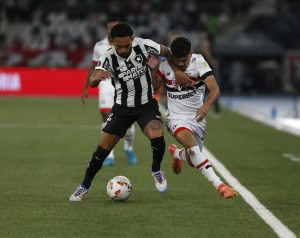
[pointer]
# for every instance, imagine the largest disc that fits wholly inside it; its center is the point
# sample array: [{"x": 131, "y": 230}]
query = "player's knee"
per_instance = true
[{"x": 154, "y": 129}]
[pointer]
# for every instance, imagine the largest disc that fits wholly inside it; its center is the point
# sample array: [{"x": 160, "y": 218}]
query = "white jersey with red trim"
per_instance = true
[
  {"x": 184, "y": 102},
  {"x": 106, "y": 89}
]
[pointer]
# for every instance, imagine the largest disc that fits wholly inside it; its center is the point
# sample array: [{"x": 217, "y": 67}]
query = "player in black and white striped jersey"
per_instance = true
[{"x": 126, "y": 64}]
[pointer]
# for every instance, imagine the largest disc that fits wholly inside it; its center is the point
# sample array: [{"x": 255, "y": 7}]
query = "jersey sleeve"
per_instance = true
[
  {"x": 203, "y": 67},
  {"x": 152, "y": 47},
  {"x": 103, "y": 63},
  {"x": 161, "y": 70}
]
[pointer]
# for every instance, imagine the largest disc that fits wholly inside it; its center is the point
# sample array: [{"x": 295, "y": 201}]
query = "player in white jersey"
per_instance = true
[
  {"x": 106, "y": 97},
  {"x": 187, "y": 110}
]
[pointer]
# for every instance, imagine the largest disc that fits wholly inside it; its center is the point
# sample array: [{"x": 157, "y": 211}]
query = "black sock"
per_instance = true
[
  {"x": 158, "y": 150},
  {"x": 94, "y": 166}
]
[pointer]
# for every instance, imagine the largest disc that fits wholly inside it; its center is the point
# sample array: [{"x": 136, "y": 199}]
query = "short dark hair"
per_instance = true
[
  {"x": 181, "y": 47},
  {"x": 121, "y": 29}
]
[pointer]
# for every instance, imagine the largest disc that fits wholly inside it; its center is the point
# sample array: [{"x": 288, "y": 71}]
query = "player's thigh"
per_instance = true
[
  {"x": 149, "y": 120},
  {"x": 182, "y": 131},
  {"x": 117, "y": 124}
]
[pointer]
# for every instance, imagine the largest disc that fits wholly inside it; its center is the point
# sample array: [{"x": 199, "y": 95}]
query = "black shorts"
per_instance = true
[{"x": 121, "y": 118}]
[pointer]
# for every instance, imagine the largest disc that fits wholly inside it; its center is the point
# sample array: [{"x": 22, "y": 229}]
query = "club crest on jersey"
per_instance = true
[{"x": 138, "y": 59}]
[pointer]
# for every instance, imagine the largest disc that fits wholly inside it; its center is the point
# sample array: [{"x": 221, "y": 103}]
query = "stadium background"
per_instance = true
[{"x": 46, "y": 138}]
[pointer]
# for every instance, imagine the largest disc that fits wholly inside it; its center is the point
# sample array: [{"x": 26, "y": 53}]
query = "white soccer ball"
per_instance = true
[{"x": 119, "y": 188}]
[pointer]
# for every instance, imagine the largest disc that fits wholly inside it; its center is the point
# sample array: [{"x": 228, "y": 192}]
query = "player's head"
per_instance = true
[
  {"x": 181, "y": 51},
  {"x": 122, "y": 37},
  {"x": 110, "y": 23}
]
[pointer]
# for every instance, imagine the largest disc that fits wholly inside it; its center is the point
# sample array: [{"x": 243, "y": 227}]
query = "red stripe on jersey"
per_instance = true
[
  {"x": 106, "y": 109},
  {"x": 195, "y": 79},
  {"x": 169, "y": 82},
  {"x": 202, "y": 164},
  {"x": 94, "y": 62},
  {"x": 181, "y": 129}
]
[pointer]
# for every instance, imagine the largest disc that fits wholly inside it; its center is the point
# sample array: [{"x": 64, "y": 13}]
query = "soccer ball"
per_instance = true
[{"x": 119, "y": 188}]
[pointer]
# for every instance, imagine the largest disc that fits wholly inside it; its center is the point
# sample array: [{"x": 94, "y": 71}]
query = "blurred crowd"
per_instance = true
[
  {"x": 62, "y": 33},
  {"x": 255, "y": 42}
]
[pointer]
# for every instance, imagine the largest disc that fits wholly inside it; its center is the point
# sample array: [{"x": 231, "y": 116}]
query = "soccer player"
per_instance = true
[
  {"x": 106, "y": 97},
  {"x": 126, "y": 64},
  {"x": 187, "y": 111}
]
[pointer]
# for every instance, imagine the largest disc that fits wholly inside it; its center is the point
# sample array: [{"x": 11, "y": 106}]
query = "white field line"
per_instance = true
[
  {"x": 48, "y": 126},
  {"x": 277, "y": 226}
]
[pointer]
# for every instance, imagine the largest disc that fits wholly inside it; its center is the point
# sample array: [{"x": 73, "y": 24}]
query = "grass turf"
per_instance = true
[{"x": 46, "y": 143}]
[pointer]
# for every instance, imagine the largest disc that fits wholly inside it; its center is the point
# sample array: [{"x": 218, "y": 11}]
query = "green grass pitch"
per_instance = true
[{"x": 46, "y": 143}]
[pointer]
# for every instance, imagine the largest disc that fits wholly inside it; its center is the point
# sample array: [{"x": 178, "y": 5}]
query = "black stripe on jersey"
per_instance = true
[
  {"x": 137, "y": 86},
  {"x": 204, "y": 76},
  {"x": 137, "y": 49},
  {"x": 185, "y": 88},
  {"x": 124, "y": 93}
]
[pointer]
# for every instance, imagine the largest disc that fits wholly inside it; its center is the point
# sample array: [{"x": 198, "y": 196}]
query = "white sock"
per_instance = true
[
  {"x": 128, "y": 138},
  {"x": 203, "y": 165},
  {"x": 180, "y": 154}
]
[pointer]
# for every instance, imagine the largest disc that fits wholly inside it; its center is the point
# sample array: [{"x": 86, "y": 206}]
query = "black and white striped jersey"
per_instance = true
[{"x": 131, "y": 77}]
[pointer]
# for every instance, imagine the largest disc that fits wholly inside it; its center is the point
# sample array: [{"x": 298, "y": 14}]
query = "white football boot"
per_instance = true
[
  {"x": 79, "y": 194},
  {"x": 160, "y": 181}
]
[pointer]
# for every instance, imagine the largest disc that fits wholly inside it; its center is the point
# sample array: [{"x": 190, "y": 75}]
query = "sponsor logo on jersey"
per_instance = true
[
  {"x": 133, "y": 73},
  {"x": 182, "y": 96}
]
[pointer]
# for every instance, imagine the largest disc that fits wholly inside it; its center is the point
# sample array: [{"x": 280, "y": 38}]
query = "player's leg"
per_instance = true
[
  {"x": 115, "y": 129},
  {"x": 128, "y": 145},
  {"x": 152, "y": 126},
  {"x": 106, "y": 102},
  {"x": 107, "y": 142},
  {"x": 200, "y": 162}
]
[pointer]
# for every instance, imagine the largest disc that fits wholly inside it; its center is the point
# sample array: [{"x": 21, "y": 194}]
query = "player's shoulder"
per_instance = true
[
  {"x": 197, "y": 58},
  {"x": 164, "y": 65},
  {"x": 139, "y": 41}
]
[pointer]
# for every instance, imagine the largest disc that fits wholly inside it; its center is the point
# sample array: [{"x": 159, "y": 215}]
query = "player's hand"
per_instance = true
[
  {"x": 201, "y": 113},
  {"x": 153, "y": 62},
  {"x": 84, "y": 96},
  {"x": 183, "y": 79},
  {"x": 97, "y": 76}
]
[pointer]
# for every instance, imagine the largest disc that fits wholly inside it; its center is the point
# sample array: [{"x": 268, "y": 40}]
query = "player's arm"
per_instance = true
[
  {"x": 85, "y": 94},
  {"x": 97, "y": 76},
  {"x": 157, "y": 80},
  {"x": 214, "y": 93},
  {"x": 180, "y": 77},
  {"x": 101, "y": 72}
]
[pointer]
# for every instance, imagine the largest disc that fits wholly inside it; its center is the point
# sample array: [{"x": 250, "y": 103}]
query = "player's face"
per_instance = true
[
  {"x": 182, "y": 63},
  {"x": 123, "y": 45}
]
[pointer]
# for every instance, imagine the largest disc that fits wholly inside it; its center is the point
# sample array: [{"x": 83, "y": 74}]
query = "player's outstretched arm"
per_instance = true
[
  {"x": 214, "y": 93},
  {"x": 154, "y": 63},
  {"x": 180, "y": 77},
  {"x": 85, "y": 94}
]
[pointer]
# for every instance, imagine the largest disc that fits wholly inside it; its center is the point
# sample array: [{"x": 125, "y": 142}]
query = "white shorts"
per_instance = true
[
  {"x": 106, "y": 95},
  {"x": 190, "y": 124}
]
